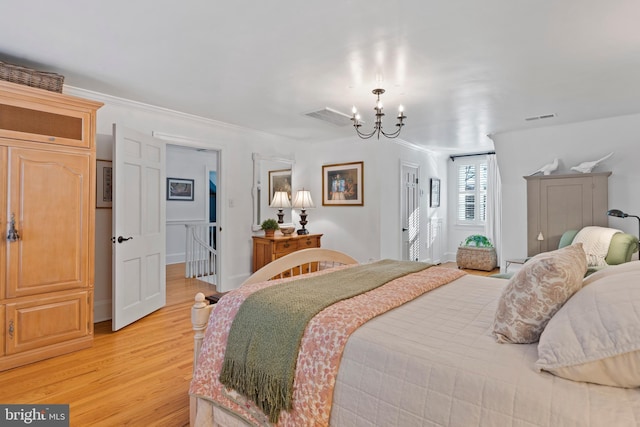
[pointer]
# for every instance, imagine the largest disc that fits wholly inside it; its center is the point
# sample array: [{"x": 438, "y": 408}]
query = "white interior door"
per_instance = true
[
  {"x": 410, "y": 212},
  {"x": 139, "y": 217}
]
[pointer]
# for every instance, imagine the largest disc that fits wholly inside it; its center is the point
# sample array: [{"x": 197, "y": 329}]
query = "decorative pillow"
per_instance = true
[
  {"x": 536, "y": 292},
  {"x": 611, "y": 271},
  {"x": 595, "y": 336}
]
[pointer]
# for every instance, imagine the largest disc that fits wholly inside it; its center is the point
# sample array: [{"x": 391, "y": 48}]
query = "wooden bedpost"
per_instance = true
[
  {"x": 199, "y": 318},
  {"x": 200, "y": 312}
]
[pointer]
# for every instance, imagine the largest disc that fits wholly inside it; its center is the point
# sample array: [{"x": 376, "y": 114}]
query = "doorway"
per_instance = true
[
  {"x": 193, "y": 225},
  {"x": 410, "y": 212}
]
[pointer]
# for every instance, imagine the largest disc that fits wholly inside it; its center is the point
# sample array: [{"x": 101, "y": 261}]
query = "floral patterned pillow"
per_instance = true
[{"x": 536, "y": 292}]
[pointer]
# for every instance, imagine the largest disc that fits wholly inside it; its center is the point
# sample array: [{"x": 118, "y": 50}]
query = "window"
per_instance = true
[{"x": 472, "y": 192}]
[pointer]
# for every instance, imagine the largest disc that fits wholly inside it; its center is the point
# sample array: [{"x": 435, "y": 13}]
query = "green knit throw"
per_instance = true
[{"x": 265, "y": 336}]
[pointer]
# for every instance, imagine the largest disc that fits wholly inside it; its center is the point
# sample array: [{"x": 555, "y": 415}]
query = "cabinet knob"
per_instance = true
[
  {"x": 286, "y": 245},
  {"x": 11, "y": 329}
]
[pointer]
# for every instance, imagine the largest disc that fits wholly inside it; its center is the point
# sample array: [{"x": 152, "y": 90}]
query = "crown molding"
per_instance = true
[{"x": 128, "y": 103}]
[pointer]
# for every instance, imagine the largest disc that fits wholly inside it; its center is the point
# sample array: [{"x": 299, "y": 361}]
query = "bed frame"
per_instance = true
[{"x": 296, "y": 263}]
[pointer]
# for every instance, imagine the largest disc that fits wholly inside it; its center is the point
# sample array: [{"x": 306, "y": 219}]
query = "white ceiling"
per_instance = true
[{"x": 462, "y": 69}]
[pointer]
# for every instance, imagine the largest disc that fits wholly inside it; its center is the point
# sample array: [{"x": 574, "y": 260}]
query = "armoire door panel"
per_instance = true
[
  {"x": 47, "y": 321},
  {"x": 49, "y": 194},
  {"x": 566, "y": 206}
]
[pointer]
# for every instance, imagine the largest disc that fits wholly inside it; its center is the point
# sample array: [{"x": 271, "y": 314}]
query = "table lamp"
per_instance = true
[
  {"x": 303, "y": 201},
  {"x": 280, "y": 201}
]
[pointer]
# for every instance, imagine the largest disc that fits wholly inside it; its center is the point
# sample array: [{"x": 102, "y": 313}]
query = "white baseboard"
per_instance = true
[
  {"x": 175, "y": 258},
  {"x": 101, "y": 311}
]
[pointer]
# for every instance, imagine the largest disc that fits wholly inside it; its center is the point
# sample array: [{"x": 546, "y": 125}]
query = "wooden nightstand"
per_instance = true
[{"x": 267, "y": 249}]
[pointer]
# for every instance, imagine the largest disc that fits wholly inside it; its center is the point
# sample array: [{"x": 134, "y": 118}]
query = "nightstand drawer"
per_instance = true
[
  {"x": 285, "y": 247},
  {"x": 309, "y": 242}
]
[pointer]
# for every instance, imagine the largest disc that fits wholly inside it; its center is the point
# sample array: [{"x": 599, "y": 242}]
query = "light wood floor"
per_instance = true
[
  {"x": 476, "y": 272},
  {"x": 138, "y": 376}
]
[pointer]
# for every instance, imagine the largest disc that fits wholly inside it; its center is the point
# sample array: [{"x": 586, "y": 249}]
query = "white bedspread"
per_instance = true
[
  {"x": 433, "y": 362},
  {"x": 441, "y": 367}
]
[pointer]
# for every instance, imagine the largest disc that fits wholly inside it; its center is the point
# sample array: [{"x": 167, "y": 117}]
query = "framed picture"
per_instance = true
[
  {"x": 104, "y": 184},
  {"x": 435, "y": 193},
  {"x": 343, "y": 185},
  {"x": 279, "y": 180},
  {"x": 179, "y": 189}
]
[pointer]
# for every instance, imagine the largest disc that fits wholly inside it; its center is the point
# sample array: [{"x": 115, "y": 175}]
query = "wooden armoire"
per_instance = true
[
  {"x": 47, "y": 207},
  {"x": 557, "y": 203}
]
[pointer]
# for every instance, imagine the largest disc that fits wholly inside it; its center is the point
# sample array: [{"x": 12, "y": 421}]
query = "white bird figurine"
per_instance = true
[
  {"x": 548, "y": 168},
  {"x": 586, "y": 167}
]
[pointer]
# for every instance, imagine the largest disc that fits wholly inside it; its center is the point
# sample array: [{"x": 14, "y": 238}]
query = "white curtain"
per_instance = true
[{"x": 493, "y": 225}]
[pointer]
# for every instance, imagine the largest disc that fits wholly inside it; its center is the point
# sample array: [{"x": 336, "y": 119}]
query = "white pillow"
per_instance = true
[
  {"x": 595, "y": 336},
  {"x": 610, "y": 271}
]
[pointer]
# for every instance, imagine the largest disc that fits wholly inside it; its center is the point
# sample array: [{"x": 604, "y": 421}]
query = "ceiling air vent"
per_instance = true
[
  {"x": 540, "y": 117},
  {"x": 332, "y": 116}
]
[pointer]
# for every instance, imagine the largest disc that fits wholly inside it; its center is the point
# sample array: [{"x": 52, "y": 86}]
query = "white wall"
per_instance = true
[
  {"x": 521, "y": 153},
  {"x": 372, "y": 231}
]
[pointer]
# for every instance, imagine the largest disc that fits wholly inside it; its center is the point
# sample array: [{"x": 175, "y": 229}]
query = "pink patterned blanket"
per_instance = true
[{"x": 320, "y": 351}]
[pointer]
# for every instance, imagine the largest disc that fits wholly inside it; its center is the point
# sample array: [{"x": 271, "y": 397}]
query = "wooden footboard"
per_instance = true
[{"x": 290, "y": 265}]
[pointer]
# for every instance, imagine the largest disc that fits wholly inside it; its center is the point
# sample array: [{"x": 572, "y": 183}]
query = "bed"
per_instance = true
[{"x": 437, "y": 360}]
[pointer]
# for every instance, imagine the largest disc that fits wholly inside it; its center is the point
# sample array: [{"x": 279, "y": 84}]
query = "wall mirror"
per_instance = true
[{"x": 270, "y": 174}]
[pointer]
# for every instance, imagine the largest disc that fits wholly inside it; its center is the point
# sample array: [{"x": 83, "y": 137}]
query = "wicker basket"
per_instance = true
[
  {"x": 27, "y": 76},
  {"x": 476, "y": 258}
]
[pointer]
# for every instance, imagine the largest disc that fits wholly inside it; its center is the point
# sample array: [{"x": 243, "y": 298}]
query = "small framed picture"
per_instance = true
[
  {"x": 179, "y": 189},
  {"x": 343, "y": 185},
  {"x": 435, "y": 193},
  {"x": 104, "y": 184},
  {"x": 279, "y": 180}
]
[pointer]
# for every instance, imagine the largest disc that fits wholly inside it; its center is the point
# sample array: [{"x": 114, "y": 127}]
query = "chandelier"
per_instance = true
[{"x": 377, "y": 126}]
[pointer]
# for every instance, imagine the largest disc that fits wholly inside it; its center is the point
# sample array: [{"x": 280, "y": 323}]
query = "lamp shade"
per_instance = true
[
  {"x": 280, "y": 200},
  {"x": 303, "y": 200},
  {"x": 617, "y": 212}
]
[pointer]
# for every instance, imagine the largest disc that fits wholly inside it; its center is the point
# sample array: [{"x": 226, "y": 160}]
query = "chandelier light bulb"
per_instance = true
[
  {"x": 400, "y": 109},
  {"x": 379, "y": 105}
]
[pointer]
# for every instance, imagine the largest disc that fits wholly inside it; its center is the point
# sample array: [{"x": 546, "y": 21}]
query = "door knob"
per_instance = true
[{"x": 121, "y": 239}]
